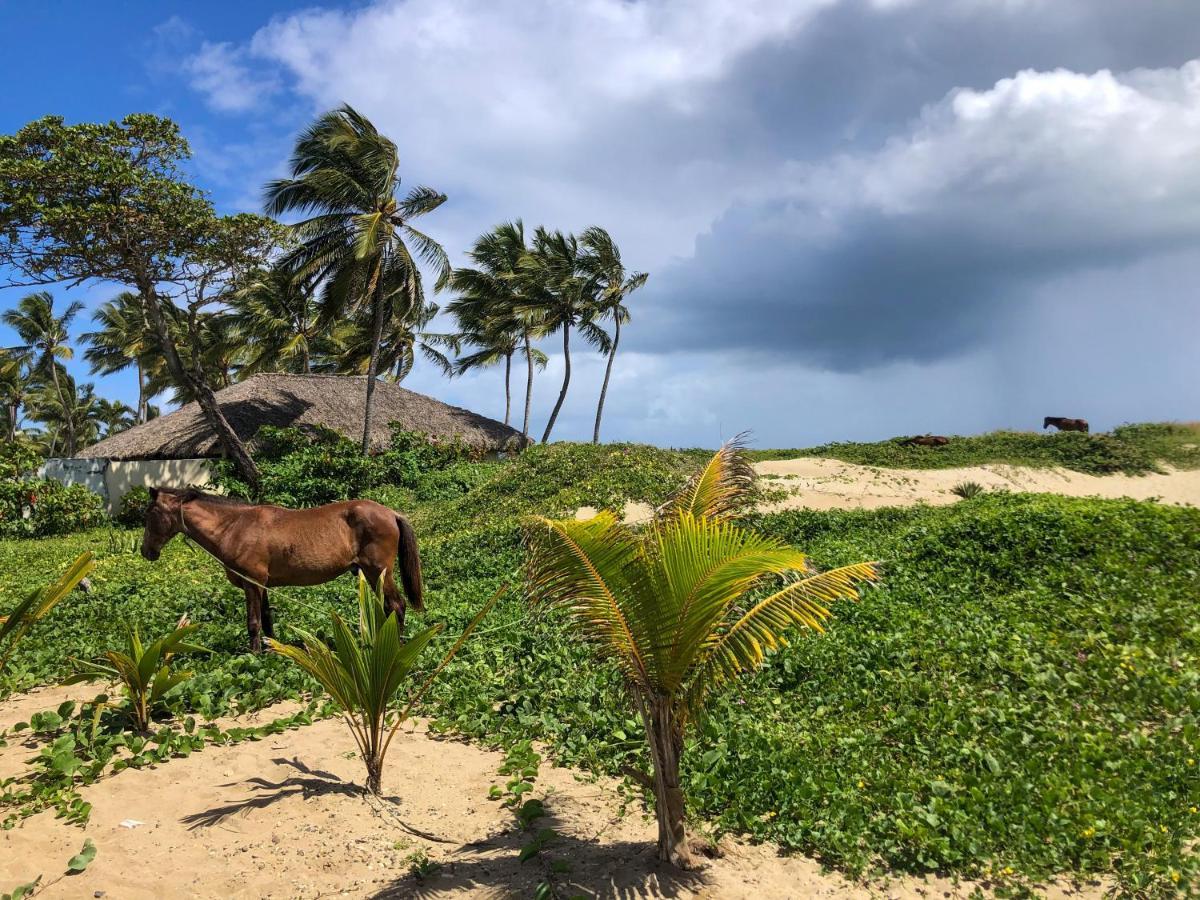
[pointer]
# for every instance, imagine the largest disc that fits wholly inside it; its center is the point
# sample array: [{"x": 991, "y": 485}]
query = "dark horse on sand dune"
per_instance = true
[
  {"x": 264, "y": 547},
  {"x": 1065, "y": 424}
]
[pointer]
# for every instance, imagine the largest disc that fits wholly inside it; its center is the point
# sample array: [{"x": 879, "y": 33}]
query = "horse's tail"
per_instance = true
[{"x": 410, "y": 564}]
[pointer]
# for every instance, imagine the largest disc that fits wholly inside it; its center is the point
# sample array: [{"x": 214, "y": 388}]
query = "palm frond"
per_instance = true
[{"x": 722, "y": 489}]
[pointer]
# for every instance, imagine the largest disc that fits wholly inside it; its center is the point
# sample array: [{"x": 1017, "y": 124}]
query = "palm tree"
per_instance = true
[
  {"x": 559, "y": 294},
  {"x": 71, "y": 413},
  {"x": 114, "y": 415},
  {"x": 16, "y": 381},
  {"x": 275, "y": 313},
  {"x": 345, "y": 175},
  {"x": 123, "y": 340},
  {"x": 491, "y": 310},
  {"x": 402, "y": 337},
  {"x": 46, "y": 337},
  {"x": 682, "y": 607},
  {"x": 602, "y": 263}
]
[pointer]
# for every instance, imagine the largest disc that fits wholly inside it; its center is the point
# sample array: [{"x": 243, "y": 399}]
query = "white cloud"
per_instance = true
[{"x": 220, "y": 72}]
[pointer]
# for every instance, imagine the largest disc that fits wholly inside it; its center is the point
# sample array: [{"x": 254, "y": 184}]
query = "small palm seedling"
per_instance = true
[
  {"x": 144, "y": 670},
  {"x": 37, "y": 605},
  {"x": 686, "y": 605},
  {"x": 967, "y": 489},
  {"x": 364, "y": 671}
]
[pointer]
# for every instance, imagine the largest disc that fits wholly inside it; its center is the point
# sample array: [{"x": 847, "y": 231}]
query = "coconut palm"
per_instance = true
[
  {"x": 46, "y": 338},
  {"x": 16, "y": 382},
  {"x": 601, "y": 262},
  {"x": 345, "y": 175},
  {"x": 72, "y": 424},
  {"x": 403, "y": 336},
  {"x": 682, "y": 607},
  {"x": 560, "y": 295},
  {"x": 496, "y": 340},
  {"x": 122, "y": 341},
  {"x": 491, "y": 304},
  {"x": 276, "y": 314},
  {"x": 114, "y": 415}
]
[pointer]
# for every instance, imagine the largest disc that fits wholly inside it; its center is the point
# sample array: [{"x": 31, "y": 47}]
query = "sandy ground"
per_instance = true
[
  {"x": 816, "y": 483},
  {"x": 285, "y": 817}
]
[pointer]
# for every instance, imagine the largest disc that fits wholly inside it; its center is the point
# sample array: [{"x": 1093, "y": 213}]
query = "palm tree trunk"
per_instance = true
[
  {"x": 607, "y": 374},
  {"x": 68, "y": 422},
  {"x": 562, "y": 394},
  {"x": 373, "y": 363},
  {"x": 666, "y": 745},
  {"x": 528, "y": 387},
  {"x": 141, "y": 410},
  {"x": 507, "y": 387},
  {"x": 230, "y": 442}
]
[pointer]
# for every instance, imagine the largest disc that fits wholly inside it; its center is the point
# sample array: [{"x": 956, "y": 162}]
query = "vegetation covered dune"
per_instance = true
[{"x": 1014, "y": 702}]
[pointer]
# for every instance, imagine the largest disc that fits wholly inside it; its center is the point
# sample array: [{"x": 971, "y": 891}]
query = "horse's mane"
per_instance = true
[{"x": 186, "y": 495}]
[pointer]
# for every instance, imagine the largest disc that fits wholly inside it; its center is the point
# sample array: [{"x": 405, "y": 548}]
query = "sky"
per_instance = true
[{"x": 861, "y": 218}]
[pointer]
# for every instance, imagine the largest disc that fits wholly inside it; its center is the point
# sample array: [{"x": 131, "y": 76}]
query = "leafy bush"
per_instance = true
[
  {"x": 1131, "y": 449},
  {"x": 313, "y": 466},
  {"x": 17, "y": 458},
  {"x": 133, "y": 507},
  {"x": 39, "y": 508}
]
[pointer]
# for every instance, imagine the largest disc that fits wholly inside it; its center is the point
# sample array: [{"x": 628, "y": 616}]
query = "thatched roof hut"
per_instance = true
[{"x": 332, "y": 401}]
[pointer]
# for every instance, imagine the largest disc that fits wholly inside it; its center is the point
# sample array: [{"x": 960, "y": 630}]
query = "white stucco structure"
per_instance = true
[{"x": 112, "y": 479}]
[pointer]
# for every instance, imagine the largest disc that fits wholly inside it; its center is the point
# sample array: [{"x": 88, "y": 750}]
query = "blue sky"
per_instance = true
[{"x": 861, "y": 217}]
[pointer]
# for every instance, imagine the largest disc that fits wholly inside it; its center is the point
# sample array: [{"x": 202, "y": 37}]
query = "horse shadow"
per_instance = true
[
  {"x": 573, "y": 865},
  {"x": 308, "y": 783}
]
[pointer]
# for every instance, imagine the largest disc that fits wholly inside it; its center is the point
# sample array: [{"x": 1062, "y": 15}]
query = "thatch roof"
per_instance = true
[{"x": 332, "y": 401}]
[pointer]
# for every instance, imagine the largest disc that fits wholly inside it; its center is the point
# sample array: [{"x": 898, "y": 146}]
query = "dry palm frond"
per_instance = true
[{"x": 722, "y": 489}]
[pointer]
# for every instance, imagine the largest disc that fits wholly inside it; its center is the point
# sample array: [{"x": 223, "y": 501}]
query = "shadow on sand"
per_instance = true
[{"x": 617, "y": 870}]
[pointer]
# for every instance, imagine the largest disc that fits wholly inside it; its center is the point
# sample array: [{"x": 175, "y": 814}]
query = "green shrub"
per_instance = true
[
  {"x": 967, "y": 489},
  {"x": 46, "y": 507},
  {"x": 17, "y": 458},
  {"x": 133, "y": 507}
]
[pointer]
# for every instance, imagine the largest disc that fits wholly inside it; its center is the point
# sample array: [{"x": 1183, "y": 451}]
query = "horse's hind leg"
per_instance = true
[
  {"x": 268, "y": 623},
  {"x": 254, "y": 604},
  {"x": 393, "y": 600}
]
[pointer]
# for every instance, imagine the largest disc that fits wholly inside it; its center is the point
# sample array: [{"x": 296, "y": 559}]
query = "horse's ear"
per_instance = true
[{"x": 153, "y": 495}]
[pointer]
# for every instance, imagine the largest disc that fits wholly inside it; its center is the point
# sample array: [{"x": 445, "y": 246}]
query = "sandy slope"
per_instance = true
[
  {"x": 818, "y": 483},
  {"x": 283, "y": 817}
]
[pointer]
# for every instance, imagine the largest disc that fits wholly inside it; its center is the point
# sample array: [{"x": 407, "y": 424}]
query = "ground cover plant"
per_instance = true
[
  {"x": 1016, "y": 698},
  {"x": 1130, "y": 449}
]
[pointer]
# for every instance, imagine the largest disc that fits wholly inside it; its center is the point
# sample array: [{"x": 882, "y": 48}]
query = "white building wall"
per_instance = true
[{"x": 112, "y": 479}]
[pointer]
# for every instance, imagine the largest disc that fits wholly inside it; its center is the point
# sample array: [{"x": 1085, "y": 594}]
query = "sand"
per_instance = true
[
  {"x": 816, "y": 483},
  {"x": 286, "y": 817}
]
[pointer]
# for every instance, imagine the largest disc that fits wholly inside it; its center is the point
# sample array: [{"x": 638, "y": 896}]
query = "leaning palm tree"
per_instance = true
[
  {"x": 491, "y": 303},
  {"x": 682, "y": 607},
  {"x": 123, "y": 341},
  {"x": 601, "y": 262},
  {"x": 46, "y": 337},
  {"x": 345, "y": 175},
  {"x": 496, "y": 341},
  {"x": 561, "y": 297}
]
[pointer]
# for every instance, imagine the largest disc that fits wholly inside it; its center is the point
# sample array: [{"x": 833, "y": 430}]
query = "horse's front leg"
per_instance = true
[{"x": 268, "y": 623}]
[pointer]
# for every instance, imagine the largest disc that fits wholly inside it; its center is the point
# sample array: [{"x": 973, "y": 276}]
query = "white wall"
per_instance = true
[{"x": 112, "y": 479}]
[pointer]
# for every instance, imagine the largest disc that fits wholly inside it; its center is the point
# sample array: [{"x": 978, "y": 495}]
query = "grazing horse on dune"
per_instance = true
[
  {"x": 1065, "y": 424},
  {"x": 926, "y": 440},
  {"x": 264, "y": 546}
]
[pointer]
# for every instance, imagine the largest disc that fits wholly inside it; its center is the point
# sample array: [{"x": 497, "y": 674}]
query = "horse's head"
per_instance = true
[
  {"x": 1046, "y": 422},
  {"x": 162, "y": 522}
]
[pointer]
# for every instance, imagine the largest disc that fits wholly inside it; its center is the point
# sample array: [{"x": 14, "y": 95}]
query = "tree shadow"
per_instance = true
[
  {"x": 310, "y": 783},
  {"x": 613, "y": 870}
]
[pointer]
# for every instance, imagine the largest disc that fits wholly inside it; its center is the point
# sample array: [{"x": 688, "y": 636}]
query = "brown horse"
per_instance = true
[
  {"x": 928, "y": 440},
  {"x": 1065, "y": 424},
  {"x": 268, "y": 546}
]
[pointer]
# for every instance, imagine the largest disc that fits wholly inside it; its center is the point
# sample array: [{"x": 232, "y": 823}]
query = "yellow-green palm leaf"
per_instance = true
[{"x": 722, "y": 489}]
